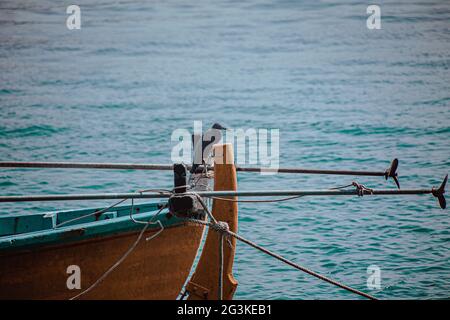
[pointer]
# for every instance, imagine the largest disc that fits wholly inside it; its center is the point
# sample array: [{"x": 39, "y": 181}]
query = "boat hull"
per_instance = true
[
  {"x": 155, "y": 269},
  {"x": 42, "y": 256}
]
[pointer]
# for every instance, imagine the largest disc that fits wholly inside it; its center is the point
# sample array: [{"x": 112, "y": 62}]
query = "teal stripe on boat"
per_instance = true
[
  {"x": 17, "y": 224},
  {"x": 48, "y": 235},
  {"x": 11, "y": 224}
]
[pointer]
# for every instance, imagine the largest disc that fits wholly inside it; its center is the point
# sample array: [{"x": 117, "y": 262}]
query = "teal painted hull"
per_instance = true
[{"x": 19, "y": 232}]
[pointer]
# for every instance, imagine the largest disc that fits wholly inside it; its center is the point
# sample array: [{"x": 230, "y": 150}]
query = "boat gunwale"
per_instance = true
[{"x": 86, "y": 231}]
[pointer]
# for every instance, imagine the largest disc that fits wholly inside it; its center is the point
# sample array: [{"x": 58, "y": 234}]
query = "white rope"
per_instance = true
[
  {"x": 220, "y": 286},
  {"x": 125, "y": 255}
]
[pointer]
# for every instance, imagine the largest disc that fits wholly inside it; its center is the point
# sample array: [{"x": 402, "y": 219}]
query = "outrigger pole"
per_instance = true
[
  {"x": 360, "y": 190},
  {"x": 85, "y": 165},
  {"x": 390, "y": 172}
]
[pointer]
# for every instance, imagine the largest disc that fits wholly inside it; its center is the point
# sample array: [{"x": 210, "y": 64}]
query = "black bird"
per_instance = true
[{"x": 214, "y": 135}]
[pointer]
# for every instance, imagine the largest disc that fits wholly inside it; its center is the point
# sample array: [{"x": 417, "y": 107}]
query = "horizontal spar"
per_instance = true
[
  {"x": 437, "y": 192},
  {"x": 149, "y": 166},
  {"x": 313, "y": 171},
  {"x": 152, "y": 195},
  {"x": 390, "y": 172},
  {"x": 85, "y": 165}
]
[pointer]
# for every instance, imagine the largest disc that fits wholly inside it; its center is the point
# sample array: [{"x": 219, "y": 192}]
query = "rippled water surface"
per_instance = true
[{"x": 343, "y": 96}]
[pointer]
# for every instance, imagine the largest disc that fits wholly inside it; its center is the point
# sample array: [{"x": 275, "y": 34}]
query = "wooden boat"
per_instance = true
[
  {"x": 38, "y": 251},
  {"x": 105, "y": 249}
]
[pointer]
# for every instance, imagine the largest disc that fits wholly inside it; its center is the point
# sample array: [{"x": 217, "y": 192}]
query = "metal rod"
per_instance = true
[
  {"x": 107, "y": 196},
  {"x": 313, "y": 171},
  {"x": 149, "y": 166},
  {"x": 85, "y": 165}
]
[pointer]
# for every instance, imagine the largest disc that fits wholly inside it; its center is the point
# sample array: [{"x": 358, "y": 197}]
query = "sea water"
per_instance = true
[{"x": 343, "y": 96}]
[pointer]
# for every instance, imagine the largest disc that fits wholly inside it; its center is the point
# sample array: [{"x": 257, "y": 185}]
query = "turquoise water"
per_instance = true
[{"x": 342, "y": 96}]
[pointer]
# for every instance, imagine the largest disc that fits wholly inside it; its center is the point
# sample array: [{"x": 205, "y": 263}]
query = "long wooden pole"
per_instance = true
[
  {"x": 255, "y": 193},
  {"x": 85, "y": 165},
  {"x": 390, "y": 172},
  {"x": 150, "y": 166},
  {"x": 436, "y": 192}
]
